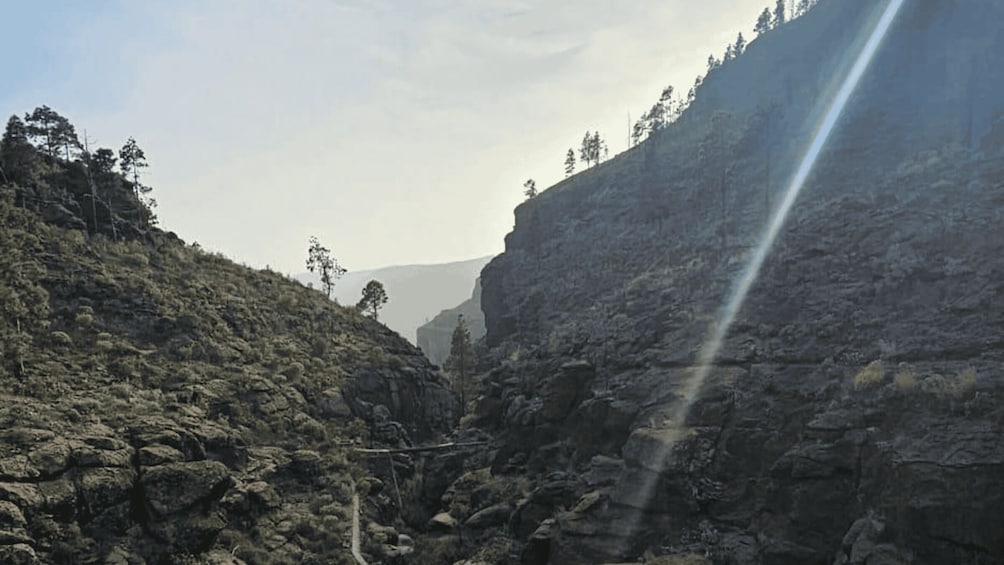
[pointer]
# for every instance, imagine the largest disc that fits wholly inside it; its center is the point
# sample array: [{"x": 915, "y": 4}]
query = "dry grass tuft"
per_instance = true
[{"x": 871, "y": 376}]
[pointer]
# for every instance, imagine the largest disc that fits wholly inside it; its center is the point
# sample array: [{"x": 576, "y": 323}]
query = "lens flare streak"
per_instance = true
[{"x": 709, "y": 351}]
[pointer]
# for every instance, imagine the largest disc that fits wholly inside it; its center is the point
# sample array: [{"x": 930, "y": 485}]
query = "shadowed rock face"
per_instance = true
[
  {"x": 853, "y": 415},
  {"x": 434, "y": 338}
]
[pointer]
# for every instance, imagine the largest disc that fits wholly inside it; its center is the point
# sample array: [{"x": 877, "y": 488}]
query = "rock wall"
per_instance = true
[{"x": 851, "y": 415}]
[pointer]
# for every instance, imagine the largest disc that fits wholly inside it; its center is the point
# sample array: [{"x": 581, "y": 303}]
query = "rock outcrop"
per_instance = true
[{"x": 852, "y": 414}]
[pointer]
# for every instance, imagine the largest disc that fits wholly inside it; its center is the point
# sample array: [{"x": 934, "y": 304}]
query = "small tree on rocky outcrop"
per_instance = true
[
  {"x": 460, "y": 364},
  {"x": 803, "y": 7},
  {"x": 640, "y": 129},
  {"x": 131, "y": 160},
  {"x": 570, "y": 162},
  {"x": 17, "y": 156},
  {"x": 530, "y": 188},
  {"x": 779, "y": 14},
  {"x": 713, "y": 62},
  {"x": 763, "y": 22},
  {"x": 107, "y": 182},
  {"x": 729, "y": 54},
  {"x": 593, "y": 148},
  {"x": 319, "y": 261},
  {"x": 52, "y": 131},
  {"x": 374, "y": 297},
  {"x": 661, "y": 113},
  {"x": 739, "y": 47}
]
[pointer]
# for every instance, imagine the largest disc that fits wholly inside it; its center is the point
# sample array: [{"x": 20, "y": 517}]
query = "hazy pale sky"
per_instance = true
[{"x": 397, "y": 131}]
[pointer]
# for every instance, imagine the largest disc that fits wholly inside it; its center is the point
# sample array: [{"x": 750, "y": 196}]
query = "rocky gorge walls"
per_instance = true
[{"x": 853, "y": 413}]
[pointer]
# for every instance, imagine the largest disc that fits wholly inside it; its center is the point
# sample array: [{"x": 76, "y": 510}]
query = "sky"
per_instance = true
[{"x": 396, "y": 131}]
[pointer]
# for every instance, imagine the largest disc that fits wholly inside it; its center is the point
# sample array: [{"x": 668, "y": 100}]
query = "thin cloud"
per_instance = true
[{"x": 397, "y": 132}]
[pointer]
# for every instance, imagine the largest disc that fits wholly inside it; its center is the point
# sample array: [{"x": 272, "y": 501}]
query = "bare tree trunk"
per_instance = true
[
  {"x": 111, "y": 218},
  {"x": 90, "y": 182}
]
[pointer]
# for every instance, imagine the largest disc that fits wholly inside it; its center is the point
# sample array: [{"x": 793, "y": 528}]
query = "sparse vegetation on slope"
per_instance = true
[{"x": 165, "y": 404}]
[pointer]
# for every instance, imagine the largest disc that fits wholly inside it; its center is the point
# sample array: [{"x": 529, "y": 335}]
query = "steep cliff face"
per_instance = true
[{"x": 853, "y": 413}]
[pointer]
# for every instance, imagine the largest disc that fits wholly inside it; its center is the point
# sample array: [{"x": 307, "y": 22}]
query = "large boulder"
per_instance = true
[{"x": 174, "y": 487}]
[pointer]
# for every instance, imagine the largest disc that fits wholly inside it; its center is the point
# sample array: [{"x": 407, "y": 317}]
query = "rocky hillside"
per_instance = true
[
  {"x": 165, "y": 405},
  {"x": 854, "y": 413}
]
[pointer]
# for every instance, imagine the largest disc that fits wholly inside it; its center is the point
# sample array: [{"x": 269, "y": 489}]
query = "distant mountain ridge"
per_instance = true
[
  {"x": 416, "y": 293},
  {"x": 435, "y": 336}
]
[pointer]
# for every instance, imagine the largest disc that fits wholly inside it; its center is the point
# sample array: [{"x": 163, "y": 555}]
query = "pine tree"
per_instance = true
[
  {"x": 131, "y": 160},
  {"x": 460, "y": 363},
  {"x": 570, "y": 162},
  {"x": 739, "y": 47},
  {"x": 729, "y": 54},
  {"x": 585, "y": 151},
  {"x": 374, "y": 297},
  {"x": 713, "y": 63},
  {"x": 52, "y": 131},
  {"x": 763, "y": 22},
  {"x": 103, "y": 164},
  {"x": 319, "y": 260},
  {"x": 779, "y": 14},
  {"x": 17, "y": 156},
  {"x": 593, "y": 148},
  {"x": 530, "y": 188},
  {"x": 692, "y": 93},
  {"x": 665, "y": 106},
  {"x": 102, "y": 168},
  {"x": 640, "y": 129}
]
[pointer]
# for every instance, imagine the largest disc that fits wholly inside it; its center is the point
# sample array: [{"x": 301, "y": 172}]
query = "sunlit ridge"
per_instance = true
[{"x": 709, "y": 351}]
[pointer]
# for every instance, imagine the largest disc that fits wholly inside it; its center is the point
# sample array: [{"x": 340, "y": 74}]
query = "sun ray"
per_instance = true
[{"x": 699, "y": 373}]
